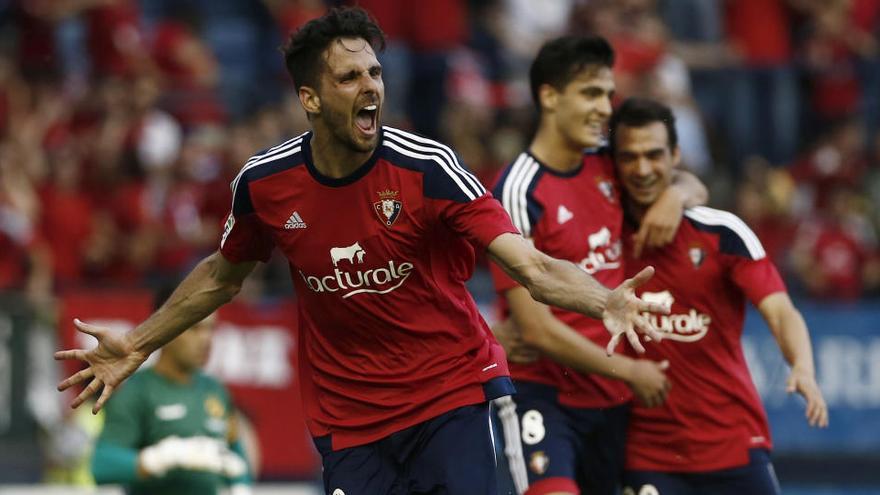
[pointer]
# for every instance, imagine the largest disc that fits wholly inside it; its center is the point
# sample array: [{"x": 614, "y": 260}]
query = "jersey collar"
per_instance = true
[{"x": 342, "y": 181}]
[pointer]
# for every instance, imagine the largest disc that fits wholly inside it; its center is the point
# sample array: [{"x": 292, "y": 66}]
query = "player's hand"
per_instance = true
[
  {"x": 510, "y": 338},
  {"x": 648, "y": 382},
  {"x": 111, "y": 362},
  {"x": 805, "y": 384},
  {"x": 660, "y": 223},
  {"x": 623, "y": 314}
]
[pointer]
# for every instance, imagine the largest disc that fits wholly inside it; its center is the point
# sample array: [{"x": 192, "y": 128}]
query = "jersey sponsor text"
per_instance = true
[
  {"x": 687, "y": 327},
  {"x": 380, "y": 280}
]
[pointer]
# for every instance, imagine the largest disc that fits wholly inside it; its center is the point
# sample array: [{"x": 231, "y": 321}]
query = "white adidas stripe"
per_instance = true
[
  {"x": 444, "y": 150},
  {"x": 509, "y": 202},
  {"x": 270, "y": 154},
  {"x": 711, "y": 216},
  {"x": 286, "y": 144},
  {"x": 436, "y": 158},
  {"x": 267, "y": 159},
  {"x": 512, "y": 444},
  {"x": 514, "y": 194}
]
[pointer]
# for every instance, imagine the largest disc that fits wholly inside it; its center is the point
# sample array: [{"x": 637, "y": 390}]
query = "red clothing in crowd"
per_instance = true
[
  {"x": 839, "y": 257},
  {"x": 66, "y": 224},
  {"x": 426, "y": 25},
  {"x": 115, "y": 39},
  {"x": 761, "y": 30}
]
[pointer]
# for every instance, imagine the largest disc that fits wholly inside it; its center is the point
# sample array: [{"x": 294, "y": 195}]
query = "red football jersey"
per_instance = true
[
  {"x": 575, "y": 216},
  {"x": 389, "y": 335},
  {"x": 713, "y": 414}
]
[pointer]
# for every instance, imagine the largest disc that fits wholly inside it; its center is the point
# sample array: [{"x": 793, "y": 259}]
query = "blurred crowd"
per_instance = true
[{"x": 122, "y": 122}]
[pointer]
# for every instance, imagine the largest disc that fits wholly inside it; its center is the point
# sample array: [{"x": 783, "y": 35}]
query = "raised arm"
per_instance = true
[
  {"x": 213, "y": 282},
  {"x": 661, "y": 221},
  {"x": 790, "y": 331},
  {"x": 562, "y": 284},
  {"x": 543, "y": 331}
]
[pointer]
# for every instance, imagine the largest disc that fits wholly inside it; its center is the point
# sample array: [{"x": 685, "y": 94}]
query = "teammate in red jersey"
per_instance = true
[
  {"x": 711, "y": 435},
  {"x": 379, "y": 227},
  {"x": 566, "y": 426}
]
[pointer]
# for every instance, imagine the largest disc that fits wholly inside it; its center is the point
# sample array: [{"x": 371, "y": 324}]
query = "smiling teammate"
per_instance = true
[
  {"x": 566, "y": 426},
  {"x": 711, "y": 435},
  {"x": 379, "y": 227}
]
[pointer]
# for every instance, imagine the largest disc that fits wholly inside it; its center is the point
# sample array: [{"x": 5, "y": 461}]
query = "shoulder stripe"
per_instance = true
[
  {"x": 516, "y": 186},
  {"x": 436, "y": 158},
  {"x": 411, "y": 139},
  {"x": 284, "y": 149},
  {"x": 277, "y": 148},
  {"x": 711, "y": 216}
]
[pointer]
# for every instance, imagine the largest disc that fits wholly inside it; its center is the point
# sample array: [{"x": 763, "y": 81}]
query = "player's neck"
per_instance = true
[
  {"x": 554, "y": 151},
  {"x": 334, "y": 159},
  {"x": 170, "y": 370}
]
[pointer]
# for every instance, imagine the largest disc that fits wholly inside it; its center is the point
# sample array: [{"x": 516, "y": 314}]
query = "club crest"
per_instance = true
[
  {"x": 697, "y": 255},
  {"x": 388, "y": 207},
  {"x": 606, "y": 187},
  {"x": 214, "y": 407},
  {"x": 539, "y": 462}
]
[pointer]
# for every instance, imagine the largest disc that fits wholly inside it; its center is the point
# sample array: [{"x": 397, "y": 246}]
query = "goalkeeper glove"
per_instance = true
[{"x": 192, "y": 453}]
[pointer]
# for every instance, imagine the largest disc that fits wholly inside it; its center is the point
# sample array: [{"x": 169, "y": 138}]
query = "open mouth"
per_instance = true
[{"x": 365, "y": 119}]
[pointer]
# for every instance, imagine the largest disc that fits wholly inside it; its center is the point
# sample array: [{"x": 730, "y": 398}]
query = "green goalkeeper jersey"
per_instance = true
[{"x": 146, "y": 409}]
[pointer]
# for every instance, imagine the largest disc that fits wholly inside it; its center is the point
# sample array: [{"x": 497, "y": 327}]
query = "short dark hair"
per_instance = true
[
  {"x": 302, "y": 53},
  {"x": 639, "y": 112},
  {"x": 560, "y": 60}
]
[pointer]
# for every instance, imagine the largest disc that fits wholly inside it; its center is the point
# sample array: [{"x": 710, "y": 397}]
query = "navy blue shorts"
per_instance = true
[
  {"x": 453, "y": 453},
  {"x": 551, "y": 447},
  {"x": 755, "y": 478}
]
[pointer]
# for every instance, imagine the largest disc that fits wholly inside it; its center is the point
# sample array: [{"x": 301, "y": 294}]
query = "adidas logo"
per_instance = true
[
  {"x": 563, "y": 215},
  {"x": 295, "y": 222}
]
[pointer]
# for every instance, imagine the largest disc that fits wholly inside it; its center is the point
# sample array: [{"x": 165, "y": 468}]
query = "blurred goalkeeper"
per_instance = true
[{"x": 171, "y": 429}]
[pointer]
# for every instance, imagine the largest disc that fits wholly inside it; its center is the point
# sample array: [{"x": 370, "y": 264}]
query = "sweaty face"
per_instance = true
[
  {"x": 644, "y": 161},
  {"x": 583, "y": 107},
  {"x": 351, "y": 93},
  {"x": 191, "y": 349}
]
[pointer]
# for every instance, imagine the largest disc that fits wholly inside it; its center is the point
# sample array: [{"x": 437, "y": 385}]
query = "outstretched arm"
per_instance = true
[
  {"x": 562, "y": 284},
  {"x": 213, "y": 282},
  {"x": 790, "y": 331}
]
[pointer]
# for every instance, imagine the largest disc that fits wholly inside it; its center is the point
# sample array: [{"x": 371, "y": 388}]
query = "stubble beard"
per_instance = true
[{"x": 344, "y": 131}]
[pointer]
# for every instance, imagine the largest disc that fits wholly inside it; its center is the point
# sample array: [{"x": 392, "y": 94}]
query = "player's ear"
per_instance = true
[
  {"x": 548, "y": 97},
  {"x": 309, "y": 99}
]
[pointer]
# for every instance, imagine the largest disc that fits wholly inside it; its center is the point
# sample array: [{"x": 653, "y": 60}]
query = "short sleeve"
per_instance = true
[
  {"x": 480, "y": 221},
  {"x": 745, "y": 258},
  {"x": 245, "y": 237},
  {"x": 756, "y": 278},
  {"x": 122, "y": 417},
  {"x": 453, "y": 194}
]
